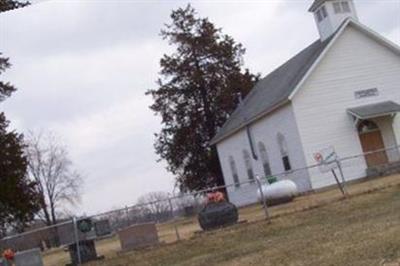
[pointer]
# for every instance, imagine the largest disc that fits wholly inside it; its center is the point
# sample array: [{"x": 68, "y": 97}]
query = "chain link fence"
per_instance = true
[{"x": 175, "y": 218}]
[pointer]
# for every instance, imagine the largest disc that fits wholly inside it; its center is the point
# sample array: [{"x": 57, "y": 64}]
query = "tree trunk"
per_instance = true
[
  {"x": 53, "y": 212},
  {"x": 46, "y": 212}
]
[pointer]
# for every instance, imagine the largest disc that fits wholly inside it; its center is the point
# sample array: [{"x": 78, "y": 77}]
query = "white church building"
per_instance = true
[{"x": 342, "y": 91}]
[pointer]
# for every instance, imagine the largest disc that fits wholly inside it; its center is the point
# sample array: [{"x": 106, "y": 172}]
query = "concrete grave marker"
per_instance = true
[
  {"x": 28, "y": 258},
  {"x": 87, "y": 250},
  {"x": 138, "y": 236}
]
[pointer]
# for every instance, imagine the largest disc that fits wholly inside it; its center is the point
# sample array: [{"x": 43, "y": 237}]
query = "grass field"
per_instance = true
[{"x": 362, "y": 230}]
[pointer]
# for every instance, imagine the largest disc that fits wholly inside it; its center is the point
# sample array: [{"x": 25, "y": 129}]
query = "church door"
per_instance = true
[{"x": 371, "y": 140}]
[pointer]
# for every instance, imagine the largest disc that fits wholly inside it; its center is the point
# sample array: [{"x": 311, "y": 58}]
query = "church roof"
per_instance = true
[
  {"x": 316, "y": 4},
  {"x": 273, "y": 90}
]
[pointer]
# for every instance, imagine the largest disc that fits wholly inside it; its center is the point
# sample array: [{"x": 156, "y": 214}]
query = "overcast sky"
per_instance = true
[{"x": 82, "y": 68}]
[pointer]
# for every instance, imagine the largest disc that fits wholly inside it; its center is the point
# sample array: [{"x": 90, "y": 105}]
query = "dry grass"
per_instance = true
[{"x": 359, "y": 231}]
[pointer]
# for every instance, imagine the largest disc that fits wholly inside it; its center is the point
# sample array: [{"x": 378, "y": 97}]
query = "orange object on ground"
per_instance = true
[
  {"x": 216, "y": 197},
  {"x": 8, "y": 254}
]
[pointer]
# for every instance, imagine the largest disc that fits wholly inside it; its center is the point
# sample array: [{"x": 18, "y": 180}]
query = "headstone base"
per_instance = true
[{"x": 87, "y": 250}]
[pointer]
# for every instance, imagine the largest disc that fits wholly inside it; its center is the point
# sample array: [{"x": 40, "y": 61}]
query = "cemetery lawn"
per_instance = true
[{"x": 363, "y": 230}]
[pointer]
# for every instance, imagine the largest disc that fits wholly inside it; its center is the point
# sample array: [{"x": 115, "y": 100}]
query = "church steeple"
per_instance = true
[{"x": 330, "y": 14}]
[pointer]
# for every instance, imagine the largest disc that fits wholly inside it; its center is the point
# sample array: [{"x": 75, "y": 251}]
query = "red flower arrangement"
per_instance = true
[
  {"x": 216, "y": 197},
  {"x": 8, "y": 254}
]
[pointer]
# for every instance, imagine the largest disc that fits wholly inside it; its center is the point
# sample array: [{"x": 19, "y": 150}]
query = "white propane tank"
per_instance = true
[{"x": 279, "y": 192}]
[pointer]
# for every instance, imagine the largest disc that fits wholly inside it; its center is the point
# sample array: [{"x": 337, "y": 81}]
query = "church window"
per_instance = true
[
  {"x": 249, "y": 167},
  {"x": 367, "y": 126},
  {"x": 284, "y": 152},
  {"x": 321, "y": 14},
  {"x": 337, "y": 7},
  {"x": 341, "y": 7},
  {"x": 264, "y": 159},
  {"x": 323, "y": 11},
  {"x": 235, "y": 176},
  {"x": 346, "y": 7}
]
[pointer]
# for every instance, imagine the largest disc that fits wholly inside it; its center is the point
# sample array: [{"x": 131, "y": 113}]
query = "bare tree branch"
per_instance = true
[
  {"x": 156, "y": 204},
  {"x": 49, "y": 165}
]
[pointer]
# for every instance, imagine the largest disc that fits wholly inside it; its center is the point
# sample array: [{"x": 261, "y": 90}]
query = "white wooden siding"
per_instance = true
[
  {"x": 265, "y": 130},
  {"x": 354, "y": 62}
]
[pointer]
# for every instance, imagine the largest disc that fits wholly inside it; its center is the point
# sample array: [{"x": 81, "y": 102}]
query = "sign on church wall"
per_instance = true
[{"x": 366, "y": 93}]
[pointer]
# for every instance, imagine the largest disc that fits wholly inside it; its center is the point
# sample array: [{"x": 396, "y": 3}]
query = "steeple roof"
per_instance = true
[{"x": 316, "y": 4}]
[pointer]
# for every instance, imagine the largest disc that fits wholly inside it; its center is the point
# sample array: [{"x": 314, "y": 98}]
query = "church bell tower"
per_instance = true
[{"x": 330, "y": 14}]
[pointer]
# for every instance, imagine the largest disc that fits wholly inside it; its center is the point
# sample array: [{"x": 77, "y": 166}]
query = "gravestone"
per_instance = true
[
  {"x": 102, "y": 228},
  {"x": 138, "y": 236},
  {"x": 87, "y": 250},
  {"x": 28, "y": 258}
]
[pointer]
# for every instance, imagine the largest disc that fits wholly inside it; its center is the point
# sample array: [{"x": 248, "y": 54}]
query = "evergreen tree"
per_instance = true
[
  {"x": 18, "y": 198},
  {"x": 198, "y": 89},
  {"x": 6, "y": 5}
]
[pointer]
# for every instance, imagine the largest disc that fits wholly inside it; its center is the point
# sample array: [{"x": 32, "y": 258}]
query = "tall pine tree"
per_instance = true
[
  {"x": 6, "y": 5},
  {"x": 18, "y": 198},
  {"x": 198, "y": 89}
]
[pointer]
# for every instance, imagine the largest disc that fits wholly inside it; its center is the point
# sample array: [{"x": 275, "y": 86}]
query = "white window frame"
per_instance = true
[
  {"x": 248, "y": 164},
  {"x": 264, "y": 159},
  {"x": 346, "y": 7},
  {"x": 321, "y": 14},
  {"x": 283, "y": 148},
  {"x": 341, "y": 7},
  {"x": 234, "y": 172}
]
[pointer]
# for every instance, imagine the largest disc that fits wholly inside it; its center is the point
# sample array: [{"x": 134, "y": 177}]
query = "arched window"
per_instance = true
[
  {"x": 367, "y": 126},
  {"x": 284, "y": 152},
  {"x": 249, "y": 167},
  {"x": 264, "y": 159},
  {"x": 234, "y": 172}
]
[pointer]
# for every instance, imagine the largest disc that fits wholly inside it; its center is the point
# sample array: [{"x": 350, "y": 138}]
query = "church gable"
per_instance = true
[
  {"x": 365, "y": 36},
  {"x": 353, "y": 56},
  {"x": 357, "y": 62}
]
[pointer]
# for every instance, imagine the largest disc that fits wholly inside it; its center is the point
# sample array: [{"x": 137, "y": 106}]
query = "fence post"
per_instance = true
[
  {"x": 178, "y": 237},
  {"x": 78, "y": 253},
  {"x": 128, "y": 220},
  {"x": 342, "y": 176},
  {"x": 264, "y": 201}
]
